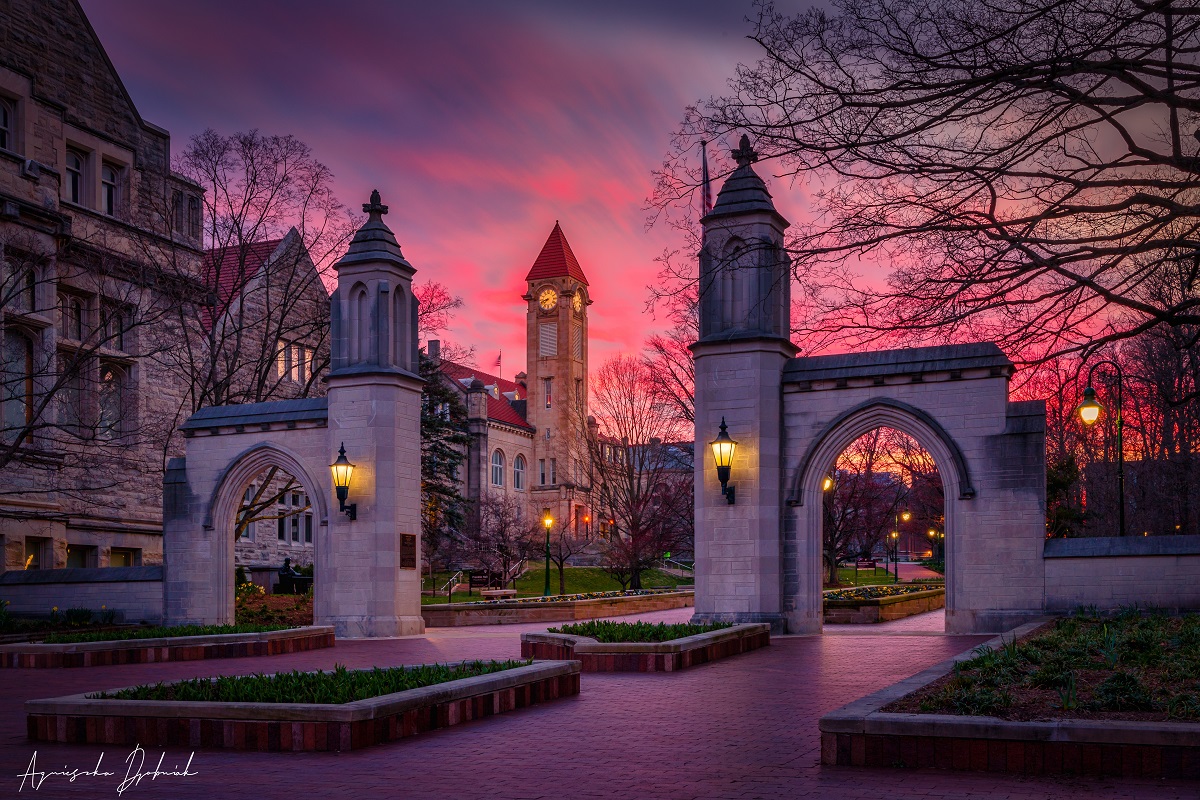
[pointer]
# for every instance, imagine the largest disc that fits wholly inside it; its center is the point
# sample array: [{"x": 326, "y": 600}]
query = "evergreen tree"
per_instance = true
[{"x": 443, "y": 450}]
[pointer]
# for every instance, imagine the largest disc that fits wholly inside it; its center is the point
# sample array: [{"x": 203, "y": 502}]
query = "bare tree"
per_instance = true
[
  {"x": 569, "y": 539},
  {"x": 1024, "y": 170},
  {"x": 641, "y": 466},
  {"x": 500, "y": 537}
]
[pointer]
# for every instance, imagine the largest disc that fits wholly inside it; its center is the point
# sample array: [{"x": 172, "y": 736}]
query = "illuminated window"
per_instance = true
[
  {"x": 111, "y": 400},
  {"x": 549, "y": 390}
]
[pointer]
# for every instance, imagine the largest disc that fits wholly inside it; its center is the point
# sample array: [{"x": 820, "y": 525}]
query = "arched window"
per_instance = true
[
  {"x": 519, "y": 473},
  {"x": 497, "y": 468},
  {"x": 75, "y": 162},
  {"x": 7, "y": 135},
  {"x": 70, "y": 317},
  {"x": 16, "y": 391},
  {"x": 399, "y": 329},
  {"x": 108, "y": 189},
  {"x": 112, "y": 400}
]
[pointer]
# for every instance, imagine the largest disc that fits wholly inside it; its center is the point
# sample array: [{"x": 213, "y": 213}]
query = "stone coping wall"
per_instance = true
[
  {"x": 881, "y": 609},
  {"x": 134, "y": 594},
  {"x": 458, "y": 614},
  {"x": 859, "y": 734},
  {"x": 300, "y": 726},
  {"x": 174, "y": 648},
  {"x": 670, "y": 656},
  {"x": 1110, "y": 572}
]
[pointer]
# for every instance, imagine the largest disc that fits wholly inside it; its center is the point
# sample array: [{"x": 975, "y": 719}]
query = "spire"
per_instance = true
[
  {"x": 744, "y": 191},
  {"x": 374, "y": 241},
  {"x": 556, "y": 260}
]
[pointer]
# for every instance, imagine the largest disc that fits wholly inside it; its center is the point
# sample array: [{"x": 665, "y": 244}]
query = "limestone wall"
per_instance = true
[{"x": 1157, "y": 571}]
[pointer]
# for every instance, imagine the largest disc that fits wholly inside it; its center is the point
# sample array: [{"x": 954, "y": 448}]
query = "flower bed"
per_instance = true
[
  {"x": 310, "y": 716},
  {"x": 870, "y": 604},
  {"x": 136, "y": 650},
  {"x": 557, "y": 608},
  {"x": 1013, "y": 705},
  {"x": 157, "y": 632},
  {"x": 613, "y": 632},
  {"x": 648, "y": 654}
]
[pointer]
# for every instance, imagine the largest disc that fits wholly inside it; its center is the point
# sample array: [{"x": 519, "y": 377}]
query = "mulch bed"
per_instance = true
[{"x": 272, "y": 609}]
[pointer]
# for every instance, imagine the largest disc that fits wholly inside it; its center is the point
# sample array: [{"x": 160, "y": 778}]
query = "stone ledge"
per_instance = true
[
  {"x": 860, "y": 734},
  {"x": 670, "y": 656},
  {"x": 299, "y": 726},
  {"x": 1115, "y": 546},
  {"x": 173, "y": 648},
  {"x": 148, "y": 573}
]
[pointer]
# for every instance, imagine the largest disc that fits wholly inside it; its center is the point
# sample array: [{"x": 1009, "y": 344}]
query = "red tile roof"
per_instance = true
[
  {"x": 227, "y": 270},
  {"x": 556, "y": 260},
  {"x": 498, "y": 408}
]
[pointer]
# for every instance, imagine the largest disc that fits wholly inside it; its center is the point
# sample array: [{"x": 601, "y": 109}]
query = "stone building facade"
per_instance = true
[
  {"x": 528, "y": 435},
  {"x": 100, "y": 249},
  {"x": 90, "y": 217}
]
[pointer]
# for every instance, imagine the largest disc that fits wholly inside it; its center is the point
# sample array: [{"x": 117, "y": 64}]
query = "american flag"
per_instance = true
[{"x": 497, "y": 364}]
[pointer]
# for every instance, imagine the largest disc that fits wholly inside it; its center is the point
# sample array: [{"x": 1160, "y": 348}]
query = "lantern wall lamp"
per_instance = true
[
  {"x": 342, "y": 470},
  {"x": 723, "y": 448}
]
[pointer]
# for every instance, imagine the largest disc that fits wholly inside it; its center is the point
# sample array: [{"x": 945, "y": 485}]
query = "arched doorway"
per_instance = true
[{"x": 808, "y": 489}]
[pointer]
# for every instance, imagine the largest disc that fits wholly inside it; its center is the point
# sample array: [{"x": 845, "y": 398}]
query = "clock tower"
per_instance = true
[{"x": 556, "y": 389}]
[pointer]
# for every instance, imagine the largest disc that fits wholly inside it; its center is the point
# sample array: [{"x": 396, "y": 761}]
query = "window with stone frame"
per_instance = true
[
  {"x": 72, "y": 313},
  {"x": 8, "y": 124},
  {"x": 75, "y": 185},
  {"x": 125, "y": 557},
  {"x": 193, "y": 216},
  {"x": 111, "y": 177},
  {"x": 111, "y": 400},
  {"x": 497, "y": 468},
  {"x": 519, "y": 473},
  {"x": 69, "y": 396},
  {"x": 294, "y": 361},
  {"x": 16, "y": 375},
  {"x": 115, "y": 319},
  {"x": 20, "y": 289}
]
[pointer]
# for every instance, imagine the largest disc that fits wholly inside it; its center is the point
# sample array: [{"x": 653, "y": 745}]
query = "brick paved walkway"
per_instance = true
[{"x": 741, "y": 728}]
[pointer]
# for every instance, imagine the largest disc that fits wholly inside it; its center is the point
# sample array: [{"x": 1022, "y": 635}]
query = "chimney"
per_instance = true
[{"x": 434, "y": 350}]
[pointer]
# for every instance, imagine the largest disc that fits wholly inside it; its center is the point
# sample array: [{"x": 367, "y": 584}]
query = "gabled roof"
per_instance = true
[
  {"x": 499, "y": 408},
  {"x": 227, "y": 270},
  {"x": 556, "y": 260}
]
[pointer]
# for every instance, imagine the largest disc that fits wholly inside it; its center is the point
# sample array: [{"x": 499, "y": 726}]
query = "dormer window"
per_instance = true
[
  {"x": 75, "y": 162},
  {"x": 7, "y": 125},
  {"x": 109, "y": 189}
]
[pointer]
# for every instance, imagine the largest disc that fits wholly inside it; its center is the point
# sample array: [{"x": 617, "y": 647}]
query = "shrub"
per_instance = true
[
  {"x": 614, "y": 632},
  {"x": 245, "y": 591},
  {"x": 157, "y": 632},
  {"x": 1122, "y": 691}
]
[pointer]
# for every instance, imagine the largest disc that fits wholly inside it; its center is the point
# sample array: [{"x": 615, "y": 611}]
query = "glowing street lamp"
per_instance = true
[
  {"x": 548, "y": 523},
  {"x": 723, "y": 448},
  {"x": 1089, "y": 411},
  {"x": 896, "y": 553},
  {"x": 342, "y": 471},
  {"x": 827, "y": 484}
]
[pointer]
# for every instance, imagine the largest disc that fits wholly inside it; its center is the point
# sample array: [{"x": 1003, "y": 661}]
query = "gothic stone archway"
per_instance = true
[{"x": 954, "y": 401}]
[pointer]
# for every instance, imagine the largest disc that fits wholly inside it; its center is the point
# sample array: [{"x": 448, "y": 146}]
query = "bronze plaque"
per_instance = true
[{"x": 408, "y": 551}]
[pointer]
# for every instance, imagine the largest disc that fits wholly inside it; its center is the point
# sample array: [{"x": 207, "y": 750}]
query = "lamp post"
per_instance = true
[
  {"x": 548, "y": 522},
  {"x": 342, "y": 470},
  {"x": 1089, "y": 412},
  {"x": 896, "y": 554},
  {"x": 723, "y": 448}
]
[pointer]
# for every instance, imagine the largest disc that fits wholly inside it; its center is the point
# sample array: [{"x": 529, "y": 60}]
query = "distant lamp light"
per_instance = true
[
  {"x": 906, "y": 516},
  {"x": 1090, "y": 408},
  {"x": 895, "y": 535},
  {"x": 723, "y": 448},
  {"x": 827, "y": 484},
  {"x": 932, "y": 533},
  {"x": 342, "y": 471}
]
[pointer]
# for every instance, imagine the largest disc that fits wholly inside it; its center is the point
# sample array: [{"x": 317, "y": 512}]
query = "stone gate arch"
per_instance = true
[{"x": 758, "y": 558}]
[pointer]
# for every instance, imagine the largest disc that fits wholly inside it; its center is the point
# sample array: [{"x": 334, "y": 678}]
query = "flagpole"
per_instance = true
[{"x": 706, "y": 198}]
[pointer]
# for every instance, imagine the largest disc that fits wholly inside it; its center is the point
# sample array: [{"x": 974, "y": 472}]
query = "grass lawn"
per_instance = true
[
  {"x": 865, "y": 577},
  {"x": 1131, "y": 667},
  {"x": 579, "y": 580}
]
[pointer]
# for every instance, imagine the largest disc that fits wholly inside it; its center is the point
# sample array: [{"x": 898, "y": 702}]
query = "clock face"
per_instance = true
[
  {"x": 548, "y": 299},
  {"x": 577, "y": 302}
]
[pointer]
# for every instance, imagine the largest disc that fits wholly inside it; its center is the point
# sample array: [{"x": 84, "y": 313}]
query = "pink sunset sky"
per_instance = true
[{"x": 480, "y": 123}]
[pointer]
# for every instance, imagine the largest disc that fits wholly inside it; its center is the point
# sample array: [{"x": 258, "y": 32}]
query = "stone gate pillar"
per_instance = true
[
  {"x": 743, "y": 347},
  {"x": 371, "y": 565}
]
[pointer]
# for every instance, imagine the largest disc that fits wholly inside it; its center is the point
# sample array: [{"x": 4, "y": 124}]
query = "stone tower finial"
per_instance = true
[
  {"x": 745, "y": 155},
  {"x": 376, "y": 208}
]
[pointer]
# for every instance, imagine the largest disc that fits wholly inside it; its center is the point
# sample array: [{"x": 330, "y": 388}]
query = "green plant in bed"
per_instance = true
[
  {"x": 158, "y": 632},
  {"x": 620, "y": 632},
  {"x": 338, "y": 686}
]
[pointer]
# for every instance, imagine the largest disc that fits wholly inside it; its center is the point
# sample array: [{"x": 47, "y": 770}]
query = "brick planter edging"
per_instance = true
[
  {"x": 172, "y": 648},
  {"x": 456, "y": 614},
  {"x": 859, "y": 734},
  {"x": 298, "y": 727},
  {"x": 882, "y": 609},
  {"x": 670, "y": 656}
]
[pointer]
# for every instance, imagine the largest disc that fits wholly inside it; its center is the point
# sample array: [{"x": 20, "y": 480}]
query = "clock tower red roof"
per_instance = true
[{"x": 556, "y": 260}]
